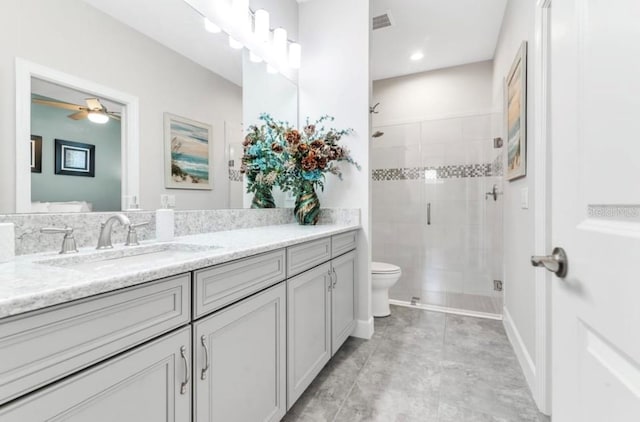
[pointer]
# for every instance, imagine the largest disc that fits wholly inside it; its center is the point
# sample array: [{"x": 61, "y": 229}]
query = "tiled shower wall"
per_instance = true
[{"x": 449, "y": 164}]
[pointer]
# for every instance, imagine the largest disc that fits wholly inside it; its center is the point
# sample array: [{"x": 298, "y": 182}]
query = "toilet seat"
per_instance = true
[{"x": 384, "y": 268}]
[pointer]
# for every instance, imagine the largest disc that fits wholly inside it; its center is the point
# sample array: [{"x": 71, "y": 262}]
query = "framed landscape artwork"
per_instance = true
[
  {"x": 36, "y": 154},
  {"x": 188, "y": 161},
  {"x": 75, "y": 158},
  {"x": 516, "y": 105}
]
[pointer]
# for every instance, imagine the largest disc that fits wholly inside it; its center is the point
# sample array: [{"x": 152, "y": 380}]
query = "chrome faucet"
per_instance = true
[
  {"x": 104, "y": 241},
  {"x": 68, "y": 243}
]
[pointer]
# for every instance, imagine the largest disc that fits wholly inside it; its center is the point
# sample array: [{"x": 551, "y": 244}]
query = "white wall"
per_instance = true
[
  {"x": 62, "y": 35},
  {"x": 440, "y": 93},
  {"x": 334, "y": 79},
  {"x": 518, "y": 26}
]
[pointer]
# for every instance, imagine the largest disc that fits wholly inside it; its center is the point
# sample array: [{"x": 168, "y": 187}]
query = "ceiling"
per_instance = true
[
  {"x": 175, "y": 25},
  {"x": 448, "y": 33}
]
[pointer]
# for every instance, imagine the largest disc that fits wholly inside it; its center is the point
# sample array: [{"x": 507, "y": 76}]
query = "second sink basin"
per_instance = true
[{"x": 128, "y": 257}]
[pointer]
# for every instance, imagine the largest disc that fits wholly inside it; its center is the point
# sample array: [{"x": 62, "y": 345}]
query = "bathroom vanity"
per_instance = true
[{"x": 221, "y": 326}]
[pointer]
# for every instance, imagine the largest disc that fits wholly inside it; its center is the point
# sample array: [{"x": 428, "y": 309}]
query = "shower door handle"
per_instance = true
[{"x": 428, "y": 213}]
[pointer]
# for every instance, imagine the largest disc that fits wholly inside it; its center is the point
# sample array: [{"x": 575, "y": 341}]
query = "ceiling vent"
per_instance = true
[{"x": 382, "y": 21}]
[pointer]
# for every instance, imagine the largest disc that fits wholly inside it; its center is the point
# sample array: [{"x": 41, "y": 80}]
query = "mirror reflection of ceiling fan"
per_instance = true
[{"x": 95, "y": 111}]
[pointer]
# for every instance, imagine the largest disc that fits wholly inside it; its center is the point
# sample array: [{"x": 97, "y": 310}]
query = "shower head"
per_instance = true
[{"x": 377, "y": 134}]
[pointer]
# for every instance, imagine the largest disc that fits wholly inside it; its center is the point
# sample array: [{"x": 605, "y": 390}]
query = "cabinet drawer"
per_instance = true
[
  {"x": 224, "y": 284},
  {"x": 342, "y": 243},
  {"x": 302, "y": 257},
  {"x": 40, "y": 347}
]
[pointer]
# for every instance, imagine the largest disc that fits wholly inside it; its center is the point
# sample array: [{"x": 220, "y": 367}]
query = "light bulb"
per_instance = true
[
  {"x": 235, "y": 44},
  {"x": 272, "y": 70},
  {"x": 98, "y": 117},
  {"x": 280, "y": 43},
  {"x": 254, "y": 57},
  {"x": 211, "y": 27},
  {"x": 295, "y": 51},
  {"x": 262, "y": 25}
]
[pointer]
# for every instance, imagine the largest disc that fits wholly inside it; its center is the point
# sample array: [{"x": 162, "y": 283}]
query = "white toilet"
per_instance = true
[{"x": 383, "y": 276}]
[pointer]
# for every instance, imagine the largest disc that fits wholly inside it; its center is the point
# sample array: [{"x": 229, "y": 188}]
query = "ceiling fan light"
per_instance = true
[{"x": 98, "y": 117}]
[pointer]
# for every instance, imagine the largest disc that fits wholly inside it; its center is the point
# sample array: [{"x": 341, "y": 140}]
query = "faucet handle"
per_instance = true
[
  {"x": 132, "y": 235},
  {"x": 68, "y": 243}
]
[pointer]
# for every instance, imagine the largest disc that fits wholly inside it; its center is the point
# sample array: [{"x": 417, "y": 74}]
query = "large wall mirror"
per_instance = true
[{"x": 65, "y": 162}]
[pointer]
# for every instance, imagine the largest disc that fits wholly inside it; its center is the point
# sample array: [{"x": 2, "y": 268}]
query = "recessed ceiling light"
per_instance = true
[{"x": 416, "y": 56}]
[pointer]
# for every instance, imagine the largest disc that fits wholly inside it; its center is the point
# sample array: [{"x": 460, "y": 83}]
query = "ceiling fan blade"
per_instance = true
[
  {"x": 94, "y": 104},
  {"x": 79, "y": 115},
  {"x": 113, "y": 115},
  {"x": 58, "y": 104}
]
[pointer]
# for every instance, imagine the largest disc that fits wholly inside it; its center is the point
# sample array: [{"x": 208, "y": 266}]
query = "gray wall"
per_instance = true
[
  {"x": 61, "y": 35},
  {"x": 103, "y": 190}
]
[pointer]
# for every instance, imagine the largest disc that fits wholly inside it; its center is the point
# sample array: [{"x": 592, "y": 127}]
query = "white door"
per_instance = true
[{"x": 595, "y": 140}]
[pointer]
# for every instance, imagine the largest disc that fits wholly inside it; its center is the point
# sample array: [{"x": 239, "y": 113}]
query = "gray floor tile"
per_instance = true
[{"x": 422, "y": 366}]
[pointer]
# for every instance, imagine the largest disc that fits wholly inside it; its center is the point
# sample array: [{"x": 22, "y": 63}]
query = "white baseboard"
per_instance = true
[
  {"x": 528, "y": 367},
  {"x": 364, "y": 329},
  {"x": 446, "y": 309}
]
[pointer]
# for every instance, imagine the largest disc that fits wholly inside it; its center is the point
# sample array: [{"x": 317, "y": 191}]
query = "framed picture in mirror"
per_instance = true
[
  {"x": 36, "y": 154},
  {"x": 187, "y": 149},
  {"x": 75, "y": 158}
]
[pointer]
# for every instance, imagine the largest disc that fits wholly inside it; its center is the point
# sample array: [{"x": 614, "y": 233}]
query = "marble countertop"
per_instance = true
[{"x": 32, "y": 282}]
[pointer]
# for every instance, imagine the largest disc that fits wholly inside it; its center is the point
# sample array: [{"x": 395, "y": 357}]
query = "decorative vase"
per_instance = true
[
  {"x": 263, "y": 198},
  {"x": 307, "y": 209}
]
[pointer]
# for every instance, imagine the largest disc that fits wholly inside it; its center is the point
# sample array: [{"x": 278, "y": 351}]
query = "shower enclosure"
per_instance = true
[{"x": 435, "y": 213}]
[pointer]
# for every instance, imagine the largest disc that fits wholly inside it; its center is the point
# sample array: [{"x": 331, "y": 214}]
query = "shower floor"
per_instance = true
[{"x": 456, "y": 303}]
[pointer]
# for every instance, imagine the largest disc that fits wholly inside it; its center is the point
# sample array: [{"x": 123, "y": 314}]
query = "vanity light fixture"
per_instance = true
[
  {"x": 211, "y": 27},
  {"x": 418, "y": 55},
  {"x": 295, "y": 52},
  {"x": 98, "y": 117},
  {"x": 280, "y": 43},
  {"x": 261, "y": 25},
  {"x": 246, "y": 28}
]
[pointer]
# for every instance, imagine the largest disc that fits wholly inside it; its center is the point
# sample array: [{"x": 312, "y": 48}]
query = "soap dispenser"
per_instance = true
[{"x": 164, "y": 221}]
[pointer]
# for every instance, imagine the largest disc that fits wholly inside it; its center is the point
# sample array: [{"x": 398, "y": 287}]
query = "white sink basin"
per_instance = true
[{"x": 128, "y": 257}]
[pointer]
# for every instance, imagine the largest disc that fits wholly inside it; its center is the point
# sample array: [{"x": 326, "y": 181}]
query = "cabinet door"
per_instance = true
[
  {"x": 343, "y": 309},
  {"x": 240, "y": 369},
  {"x": 308, "y": 328},
  {"x": 144, "y": 384}
]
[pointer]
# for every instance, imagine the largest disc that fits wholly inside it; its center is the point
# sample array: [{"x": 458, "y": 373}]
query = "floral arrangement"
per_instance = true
[
  {"x": 263, "y": 160},
  {"x": 312, "y": 153}
]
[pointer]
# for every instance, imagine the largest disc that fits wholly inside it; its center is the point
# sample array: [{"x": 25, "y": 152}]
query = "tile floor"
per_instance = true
[{"x": 422, "y": 366}]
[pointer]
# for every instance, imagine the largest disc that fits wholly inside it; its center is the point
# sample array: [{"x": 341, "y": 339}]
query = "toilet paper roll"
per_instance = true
[{"x": 7, "y": 242}]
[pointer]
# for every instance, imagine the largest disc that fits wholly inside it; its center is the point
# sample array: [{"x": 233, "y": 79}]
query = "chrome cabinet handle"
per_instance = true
[
  {"x": 203, "y": 374},
  {"x": 335, "y": 280},
  {"x": 428, "y": 213},
  {"x": 183, "y": 386},
  {"x": 557, "y": 262}
]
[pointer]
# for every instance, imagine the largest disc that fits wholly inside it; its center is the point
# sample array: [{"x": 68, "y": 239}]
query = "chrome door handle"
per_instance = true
[
  {"x": 557, "y": 262},
  {"x": 335, "y": 279},
  {"x": 203, "y": 374},
  {"x": 183, "y": 385}
]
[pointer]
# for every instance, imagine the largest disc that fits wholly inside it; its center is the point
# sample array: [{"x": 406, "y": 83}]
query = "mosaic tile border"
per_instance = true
[
  {"x": 235, "y": 175},
  {"x": 437, "y": 172},
  {"x": 614, "y": 212}
]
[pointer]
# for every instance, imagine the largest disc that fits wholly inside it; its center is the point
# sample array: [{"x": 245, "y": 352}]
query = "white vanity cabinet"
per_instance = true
[
  {"x": 240, "y": 360},
  {"x": 149, "y": 383},
  {"x": 321, "y": 312}
]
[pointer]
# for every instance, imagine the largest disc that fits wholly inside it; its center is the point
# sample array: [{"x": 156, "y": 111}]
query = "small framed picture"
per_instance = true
[
  {"x": 36, "y": 154},
  {"x": 75, "y": 158},
  {"x": 516, "y": 105},
  {"x": 188, "y": 153}
]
